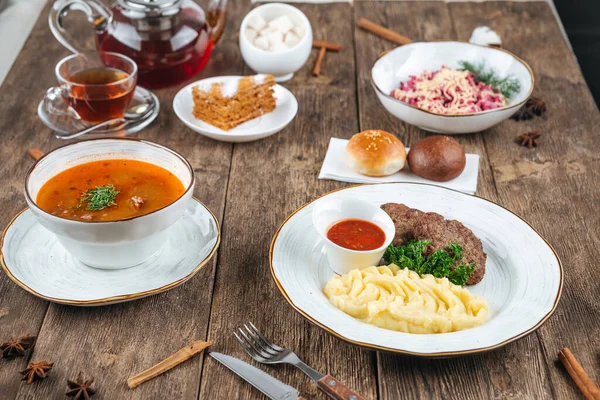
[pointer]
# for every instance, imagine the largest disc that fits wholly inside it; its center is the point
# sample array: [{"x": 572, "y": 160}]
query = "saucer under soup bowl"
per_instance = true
[
  {"x": 329, "y": 211},
  {"x": 111, "y": 244}
]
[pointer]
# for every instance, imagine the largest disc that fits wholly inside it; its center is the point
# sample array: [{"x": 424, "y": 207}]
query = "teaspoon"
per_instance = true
[{"x": 134, "y": 113}]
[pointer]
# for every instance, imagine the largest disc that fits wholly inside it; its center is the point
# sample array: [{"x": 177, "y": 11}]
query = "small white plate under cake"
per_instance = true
[{"x": 265, "y": 125}]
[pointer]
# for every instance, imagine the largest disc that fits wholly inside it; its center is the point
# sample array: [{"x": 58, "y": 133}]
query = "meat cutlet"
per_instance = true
[
  {"x": 412, "y": 224},
  {"x": 442, "y": 233},
  {"x": 404, "y": 218}
]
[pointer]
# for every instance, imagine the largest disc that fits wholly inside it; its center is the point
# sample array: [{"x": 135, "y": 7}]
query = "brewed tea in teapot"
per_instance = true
[{"x": 170, "y": 40}]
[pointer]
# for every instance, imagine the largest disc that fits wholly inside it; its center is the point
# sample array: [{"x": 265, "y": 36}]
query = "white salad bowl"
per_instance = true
[
  {"x": 111, "y": 244},
  {"x": 331, "y": 210},
  {"x": 280, "y": 64},
  {"x": 396, "y": 66}
]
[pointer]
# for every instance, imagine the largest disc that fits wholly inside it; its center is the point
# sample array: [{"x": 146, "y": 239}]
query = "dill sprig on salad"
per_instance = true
[
  {"x": 508, "y": 85},
  {"x": 441, "y": 264}
]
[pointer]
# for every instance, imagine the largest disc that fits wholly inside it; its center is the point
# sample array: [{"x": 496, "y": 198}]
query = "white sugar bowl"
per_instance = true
[{"x": 276, "y": 39}]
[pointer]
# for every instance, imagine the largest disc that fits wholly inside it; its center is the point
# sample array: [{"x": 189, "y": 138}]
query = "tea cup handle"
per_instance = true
[{"x": 54, "y": 103}]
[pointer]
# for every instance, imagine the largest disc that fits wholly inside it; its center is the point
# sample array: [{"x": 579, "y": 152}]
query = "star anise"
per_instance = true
[
  {"x": 80, "y": 389},
  {"x": 532, "y": 107},
  {"x": 36, "y": 371},
  {"x": 529, "y": 139},
  {"x": 16, "y": 348}
]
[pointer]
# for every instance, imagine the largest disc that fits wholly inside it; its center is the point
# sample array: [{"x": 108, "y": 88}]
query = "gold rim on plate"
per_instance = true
[
  {"x": 112, "y": 299},
  {"x": 406, "y": 352}
]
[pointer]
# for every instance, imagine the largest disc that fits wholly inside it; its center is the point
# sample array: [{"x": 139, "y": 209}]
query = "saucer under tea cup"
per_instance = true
[{"x": 65, "y": 125}]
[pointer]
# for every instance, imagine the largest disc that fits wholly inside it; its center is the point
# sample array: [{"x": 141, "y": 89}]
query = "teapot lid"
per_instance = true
[{"x": 151, "y": 7}]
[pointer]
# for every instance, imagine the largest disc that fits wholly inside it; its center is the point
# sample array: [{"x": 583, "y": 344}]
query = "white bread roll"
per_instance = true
[{"x": 375, "y": 153}]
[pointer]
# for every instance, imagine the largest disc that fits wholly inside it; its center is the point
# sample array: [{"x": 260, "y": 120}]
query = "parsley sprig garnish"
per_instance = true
[
  {"x": 98, "y": 198},
  {"x": 507, "y": 86},
  {"x": 411, "y": 256}
]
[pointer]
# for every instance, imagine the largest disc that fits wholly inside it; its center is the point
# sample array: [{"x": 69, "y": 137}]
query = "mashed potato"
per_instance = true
[{"x": 401, "y": 300}]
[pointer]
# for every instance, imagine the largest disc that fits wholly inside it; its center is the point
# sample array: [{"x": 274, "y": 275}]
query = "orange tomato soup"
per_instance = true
[{"x": 142, "y": 188}]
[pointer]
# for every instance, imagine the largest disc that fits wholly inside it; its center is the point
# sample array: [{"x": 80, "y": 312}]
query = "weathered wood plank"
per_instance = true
[
  {"x": 492, "y": 375},
  {"x": 111, "y": 343},
  {"x": 20, "y": 129},
  {"x": 269, "y": 179},
  {"x": 555, "y": 187}
]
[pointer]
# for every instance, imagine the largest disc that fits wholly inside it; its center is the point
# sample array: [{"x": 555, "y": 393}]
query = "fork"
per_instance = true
[{"x": 264, "y": 351}]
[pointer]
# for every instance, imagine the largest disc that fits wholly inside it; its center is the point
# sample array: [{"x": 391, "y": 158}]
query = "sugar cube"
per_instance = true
[
  {"x": 251, "y": 34},
  {"x": 291, "y": 39},
  {"x": 275, "y": 38},
  {"x": 262, "y": 43},
  {"x": 279, "y": 47},
  {"x": 283, "y": 24},
  {"x": 266, "y": 31},
  {"x": 300, "y": 30},
  {"x": 257, "y": 22}
]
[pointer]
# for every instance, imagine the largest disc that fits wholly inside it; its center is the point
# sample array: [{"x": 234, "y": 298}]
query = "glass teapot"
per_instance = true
[{"x": 170, "y": 40}]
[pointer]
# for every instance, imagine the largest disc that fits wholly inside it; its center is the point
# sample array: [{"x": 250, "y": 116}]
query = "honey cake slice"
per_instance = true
[{"x": 227, "y": 105}]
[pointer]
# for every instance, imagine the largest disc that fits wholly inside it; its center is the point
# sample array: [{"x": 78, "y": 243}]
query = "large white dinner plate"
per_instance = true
[
  {"x": 398, "y": 65},
  {"x": 257, "y": 128},
  {"x": 34, "y": 259},
  {"x": 522, "y": 283}
]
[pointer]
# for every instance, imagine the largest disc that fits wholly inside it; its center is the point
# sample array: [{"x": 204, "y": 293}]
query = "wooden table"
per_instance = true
[{"x": 252, "y": 187}]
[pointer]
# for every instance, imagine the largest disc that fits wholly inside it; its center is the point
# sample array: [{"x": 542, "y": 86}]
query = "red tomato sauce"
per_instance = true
[{"x": 356, "y": 234}]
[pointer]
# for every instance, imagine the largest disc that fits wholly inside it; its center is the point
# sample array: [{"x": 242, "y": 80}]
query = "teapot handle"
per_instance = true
[
  {"x": 97, "y": 14},
  {"x": 216, "y": 18}
]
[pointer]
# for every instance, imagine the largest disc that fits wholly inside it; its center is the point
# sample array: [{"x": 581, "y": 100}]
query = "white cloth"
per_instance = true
[
  {"x": 336, "y": 169},
  {"x": 17, "y": 19}
]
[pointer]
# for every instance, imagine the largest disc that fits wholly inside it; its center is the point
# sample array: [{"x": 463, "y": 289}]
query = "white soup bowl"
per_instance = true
[
  {"x": 328, "y": 211},
  {"x": 111, "y": 244}
]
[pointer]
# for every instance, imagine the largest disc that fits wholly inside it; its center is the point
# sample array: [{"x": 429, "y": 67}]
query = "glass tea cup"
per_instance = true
[{"x": 92, "y": 88}]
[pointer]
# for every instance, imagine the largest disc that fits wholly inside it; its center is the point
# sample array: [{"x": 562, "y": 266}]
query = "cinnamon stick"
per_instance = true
[
  {"x": 581, "y": 378},
  {"x": 173, "y": 360},
  {"x": 35, "y": 153},
  {"x": 317, "y": 69},
  {"x": 382, "y": 32},
  {"x": 319, "y": 44}
]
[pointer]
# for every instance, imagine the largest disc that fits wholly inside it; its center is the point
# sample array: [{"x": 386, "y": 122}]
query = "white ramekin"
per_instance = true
[
  {"x": 281, "y": 64},
  {"x": 111, "y": 244},
  {"x": 328, "y": 211}
]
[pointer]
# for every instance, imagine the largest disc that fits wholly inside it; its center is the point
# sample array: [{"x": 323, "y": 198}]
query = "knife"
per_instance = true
[{"x": 271, "y": 387}]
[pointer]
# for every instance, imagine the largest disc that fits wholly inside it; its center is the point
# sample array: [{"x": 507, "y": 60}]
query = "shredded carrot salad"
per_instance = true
[{"x": 449, "y": 91}]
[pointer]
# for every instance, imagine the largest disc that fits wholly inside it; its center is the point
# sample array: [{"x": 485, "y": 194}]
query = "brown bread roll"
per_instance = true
[{"x": 437, "y": 158}]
